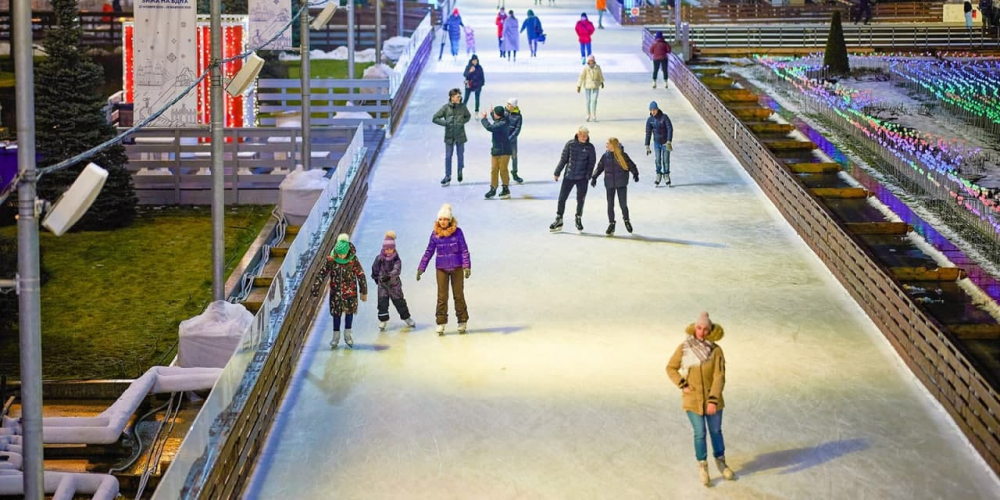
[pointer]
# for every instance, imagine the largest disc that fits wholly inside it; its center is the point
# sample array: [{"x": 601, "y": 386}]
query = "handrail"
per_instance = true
[{"x": 402, "y": 66}]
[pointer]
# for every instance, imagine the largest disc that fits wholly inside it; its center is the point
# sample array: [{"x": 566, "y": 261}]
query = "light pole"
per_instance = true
[
  {"x": 306, "y": 93},
  {"x": 399, "y": 18},
  {"x": 218, "y": 160},
  {"x": 350, "y": 39},
  {"x": 378, "y": 31},
  {"x": 29, "y": 304}
]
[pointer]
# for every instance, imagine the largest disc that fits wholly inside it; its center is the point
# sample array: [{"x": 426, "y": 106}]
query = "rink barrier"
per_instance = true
[
  {"x": 940, "y": 364},
  {"x": 762, "y": 12},
  {"x": 218, "y": 453},
  {"x": 403, "y": 78}
]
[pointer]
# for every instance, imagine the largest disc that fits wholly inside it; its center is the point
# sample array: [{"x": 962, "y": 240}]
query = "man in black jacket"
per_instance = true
[
  {"x": 514, "y": 121},
  {"x": 578, "y": 158},
  {"x": 499, "y": 153},
  {"x": 453, "y": 117}
]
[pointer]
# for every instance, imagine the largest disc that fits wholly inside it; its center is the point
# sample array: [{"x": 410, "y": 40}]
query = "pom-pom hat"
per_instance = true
[{"x": 445, "y": 211}]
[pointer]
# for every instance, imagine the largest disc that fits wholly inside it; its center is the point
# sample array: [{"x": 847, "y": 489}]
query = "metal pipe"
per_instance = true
[
  {"x": 350, "y": 40},
  {"x": 29, "y": 303},
  {"x": 378, "y": 32},
  {"x": 399, "y": 18},
  {"x": 218, "y": 158},
  {"x": 306, "y": 92}
]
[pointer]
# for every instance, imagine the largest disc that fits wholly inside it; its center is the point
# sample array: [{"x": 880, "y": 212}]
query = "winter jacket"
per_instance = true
[
  {"x": 454, "y": 26},
  {"x": 385, "y": 274},
  {"x": 591, "y": 78},
  {"x": 614, "y": 175},
  {"x": 659, "y": 50},
  {"x": 659, "y": 128},
  {"x": 452, "y": 252},
  {"x": 514, "y": 121},
  {"x": 706, "y": 380},
  {"x": 584, "y": 29},
  {"x": 453, "y": 118},
  {"x": 985, "y": 6},
  {"x": 967, "y": 6},
  {"x": 476, "y": 79},
  {"x": 346, "y": 282},
  {"x": 602, "y": 5},
  {"x": 533, "y": 26},
  {"x": 501, "y": 136},
  {"x": 511, "y": 39},
  {"x": 578, "y": 158},
  {"x": 501, "y": 17}
]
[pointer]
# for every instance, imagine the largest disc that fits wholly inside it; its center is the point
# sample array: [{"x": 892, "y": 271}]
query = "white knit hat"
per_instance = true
[
  {"x": 512, "y": 101},
  {"x": 445, "y": 211}
]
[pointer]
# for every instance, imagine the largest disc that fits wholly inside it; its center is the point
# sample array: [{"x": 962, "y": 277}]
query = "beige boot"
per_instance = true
[
  {"x": 727, "y": 473},
  {"x": 703, "y": 471}
]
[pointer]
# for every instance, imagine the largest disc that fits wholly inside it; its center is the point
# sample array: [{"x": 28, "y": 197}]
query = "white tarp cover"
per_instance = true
[
  {"x": 298, "y": 193},
  {"x": 209, "y": 339},
  {"x": 394, "y": 47}
]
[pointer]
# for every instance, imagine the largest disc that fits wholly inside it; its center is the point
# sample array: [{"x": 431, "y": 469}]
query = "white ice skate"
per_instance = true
[
  {"x": 410, "y": 323},
  {"x": 336, "y": 339},
  {"x": 462, "y": 327},
  {"x": 381, "y": 325},
  {"x": 440, "y": 330},
  {"x": 347, "y": 338}
]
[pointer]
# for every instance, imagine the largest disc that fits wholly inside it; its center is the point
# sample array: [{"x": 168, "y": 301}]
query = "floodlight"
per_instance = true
[
  {"x": 242, "y": 81},
  {"x": 68, "y": 209},
  {"x": 324, "y": 16}
]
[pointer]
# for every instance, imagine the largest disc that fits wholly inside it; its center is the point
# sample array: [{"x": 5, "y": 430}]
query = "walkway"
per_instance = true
[{"x": 558, "y": 390}]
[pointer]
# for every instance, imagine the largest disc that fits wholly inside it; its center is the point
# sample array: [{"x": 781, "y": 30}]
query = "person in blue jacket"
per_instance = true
[
  {"x": 533, "y": 26},
  {"x": 474, "y": 80},
  {"x": 659, "y": 128},
  {"x": 454, "y": 28}
]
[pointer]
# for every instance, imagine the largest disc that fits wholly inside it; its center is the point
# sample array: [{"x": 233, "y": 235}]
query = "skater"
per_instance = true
[
  {"x": 474, "y": 80},
  {"x": 985, "y": 9},
  {"x": 616, "y": 167},
  {"x": 347, "y": 280},
  {"x": 967, "y": 9},
  {"x": 533, "y": 26},
  {"x": 698, "y": 369},
  {"x": 578, "y": 158},
  {"x": 453, "y": 117},
  {"x": 454, "y": 27},
  {"x": 453, "y": 265},
  {"x": 385, "y": 274},
  {"x": 659, "y": 128},
  {"x": 865, "y": 10},
  {"x": 602, "y": 5},
  {"x": 659, "y": 50},
  {"x": 592, "y": 80},
  {"x": 470, "y": 40},
  {"x": 584, "y": 30},
  {"x": 511, "y": 36},
  {"x": 501, "y": 17},
  {"x": 514, "y": 122},
  {"x": 499, "y": 152}
]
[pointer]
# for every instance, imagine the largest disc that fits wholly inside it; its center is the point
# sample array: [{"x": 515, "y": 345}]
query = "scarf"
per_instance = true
[
  {"x": 701, "y": 348},
  {"x": 444, "y": 233}
]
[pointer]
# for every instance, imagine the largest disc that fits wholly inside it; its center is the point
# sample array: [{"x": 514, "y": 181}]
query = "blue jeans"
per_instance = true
[
  {"x": 714, "y": 431},
  {"x": 449, "y": 149},
  {"x": 584, "y": 49},
  {"x": 533, "y": 46},
  {"x": 662, "y": 158},
  {"x": 592, "y": 101}
]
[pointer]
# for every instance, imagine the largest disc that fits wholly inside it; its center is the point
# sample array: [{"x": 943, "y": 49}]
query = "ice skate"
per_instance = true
[
  {"x": 579, "y": 223},
  {"x": 460, "y": 175},
  {"x": 491, "y": 193},
  {"x": 654, "y": 84},
  {"x": 611, "y": 229},
  {"x": 440, "y": 330},
  {"x": 628, "y": 226},
  {"x": 382, "y": 325},
  {"x": 336, "y": 339},
  {"x": 659, "y": 178},
  {"x": 445, "y": 181},
  {"x": 594, "y": 119},
  {"x": 666, "y": 179},
  {"x": 409, "y": 322},
  {"x": 462, "y": 327},
  {"x": 588, "y": 118},
  {"x": 557, "y": 225},
  {"x": 347, "y": 338},
  {"x": 703, "y": 472},
  {"x": 724, "y": 469},
  {"x": 516, "y": 178},
  {"x": 505, "y": 193}
]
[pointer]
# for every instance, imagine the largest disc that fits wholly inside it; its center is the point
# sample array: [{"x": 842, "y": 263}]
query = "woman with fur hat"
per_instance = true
[
  {"x": 347, "y": 279},
  {"x": 698, "y": 369},
  {"x": 453, "y": 266},
  {"x": 385, "y": 273}
]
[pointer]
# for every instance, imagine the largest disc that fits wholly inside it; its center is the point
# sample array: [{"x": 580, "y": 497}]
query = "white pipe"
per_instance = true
[{"x": 65, "y": 485}]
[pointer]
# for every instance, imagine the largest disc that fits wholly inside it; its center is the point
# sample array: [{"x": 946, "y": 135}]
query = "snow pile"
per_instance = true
[
  {"x": 209, "y": 339},
  {"x": 337, "y": 54},
  {"x": 298, "y": 193},
  {"x": 394, "y": 47}
]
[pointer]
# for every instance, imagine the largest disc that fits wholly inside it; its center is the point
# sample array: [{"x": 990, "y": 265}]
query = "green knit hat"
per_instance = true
[{"x": 343, "y": 247}]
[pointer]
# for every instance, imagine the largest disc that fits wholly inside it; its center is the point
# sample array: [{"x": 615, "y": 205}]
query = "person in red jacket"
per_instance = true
[
  {"x": 501, "y": 17},
  {"x": 659, "y": 51},
  {"x": 584, "y": 29}
]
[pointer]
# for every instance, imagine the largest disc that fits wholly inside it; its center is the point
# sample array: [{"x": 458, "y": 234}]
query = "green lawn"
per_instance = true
[
  {"x": 114, "y": 299},
  {"x": 326, "y": 68}
]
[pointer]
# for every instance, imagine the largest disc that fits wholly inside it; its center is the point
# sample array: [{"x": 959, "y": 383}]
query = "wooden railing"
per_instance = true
[
  {"x": 949, "y": 374},
  {"x": 102, "y": 29},
  {"x": 329, "y": 97},
  {"x": 901, "y": 12}
]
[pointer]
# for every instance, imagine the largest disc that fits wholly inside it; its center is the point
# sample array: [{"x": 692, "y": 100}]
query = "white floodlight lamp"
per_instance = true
[
  {"x": 246, "y": 76},
  {"x": 68, "y": 209}
]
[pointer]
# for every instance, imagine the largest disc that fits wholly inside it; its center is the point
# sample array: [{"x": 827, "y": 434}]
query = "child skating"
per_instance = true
[
  {"x": 453, "y": 265},
  {"x": 385, "y": 273},
  {"x": 347, "y": 280}
]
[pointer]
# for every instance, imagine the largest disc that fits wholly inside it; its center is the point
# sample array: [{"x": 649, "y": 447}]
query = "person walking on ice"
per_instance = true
[
  {"x": 616, "y": 167},
  {"x": 578, "y": 158},
  {"x": 659, "y": 51},
  {"x": 698, "y": 369},
  {"x": 454, "y": 27},
  {"x": 592, "y": 81},
  {"x": 499, "y": 152},
  {"x": 347, "y": 281},
  {"x": 474, "y": 80},
  {"x": 511, "y": 36},
  {"x": 385, "y": 273},
  {"x": 659, "y": 128},
  {"x": 533, "y": 26},
  {"x": 453, "y": 266},
  {"x": 453, "y": 117},
  {"x": 514, "y": 122}
]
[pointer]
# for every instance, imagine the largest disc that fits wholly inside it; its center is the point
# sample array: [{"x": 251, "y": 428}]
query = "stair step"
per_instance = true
[
  {"x": 292, "y": 229},
  {"x": 768, "y": 127},
  {"x": 279, "y": 252},
  {"x": 986, "y": 331},
  {"x": 263, "y": 281},
  {"x": 879, "y": 227},
  {"x": 814, "y": 168},
  {"x": 790, "y": 145},
  {"x": 851, "y": 192},
  {"x": 924, "y": 274}
]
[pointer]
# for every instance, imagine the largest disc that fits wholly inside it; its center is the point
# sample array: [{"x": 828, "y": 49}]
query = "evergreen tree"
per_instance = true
[
  {"x": 70, "y": 119},
  {"x": 835, "y": 58}
]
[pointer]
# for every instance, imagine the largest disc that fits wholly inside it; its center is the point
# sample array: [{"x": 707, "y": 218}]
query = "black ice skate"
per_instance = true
[
  {"x": 611, "y": 229},
  {"x": 557, "y": 225},
  {"x": 516, "y": 178},
  {"x": 628, "y": 226},
  {"x": 446, "y": 181},
  {"x": 505, "y": 193},
  {"x": 579, "y": 223},
  {"x": 491, "y": 193},
  {"x": 459, "y": 176}
]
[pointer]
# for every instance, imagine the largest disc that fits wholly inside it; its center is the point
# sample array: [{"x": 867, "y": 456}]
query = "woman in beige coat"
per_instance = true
[
  {"x": 592, "y": 81},
  {"x": 698, "y": 369}
]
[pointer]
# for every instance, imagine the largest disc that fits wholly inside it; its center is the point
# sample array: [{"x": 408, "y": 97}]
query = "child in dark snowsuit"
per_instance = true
[
  {"x": 347, "y": 279},
  {"x": 385, "y": 272}
]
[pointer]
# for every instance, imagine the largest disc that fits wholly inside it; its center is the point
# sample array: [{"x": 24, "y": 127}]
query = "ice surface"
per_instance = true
[{"x": 558, "y": 390}]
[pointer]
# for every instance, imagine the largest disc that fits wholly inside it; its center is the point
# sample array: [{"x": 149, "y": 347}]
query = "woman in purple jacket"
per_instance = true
[{"x": 453, "y": 265}]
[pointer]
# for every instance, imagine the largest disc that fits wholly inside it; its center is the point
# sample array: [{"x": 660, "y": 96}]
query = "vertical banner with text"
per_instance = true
[
  {"x": 165, "y": 56},
  {"x": 268, "y": 18}
]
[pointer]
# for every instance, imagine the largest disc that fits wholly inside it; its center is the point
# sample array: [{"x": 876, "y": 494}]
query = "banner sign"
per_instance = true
[
  {"x": 267, "y": 18},
  {"x": 165, "y": 58}
]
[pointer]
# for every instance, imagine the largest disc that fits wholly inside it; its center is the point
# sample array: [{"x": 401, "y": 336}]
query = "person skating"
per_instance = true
[
  {"x": 501, "y": 17},
  {"x": 601, "y": 6},
  {"x": 864, "y": 10},
  {"x": 385, "y": 274},
  {"x": 659, "y": 51},
  {"x": 511, "y": 36},
  {"x": 347, "y": 281},
  {"x": 616, "y": 167},
  {"x": 514, "y": 121},
  {"x": 499, "y": 152},
  {"x": 578, "y": 158},
  {"x": 698, "y": 369},
  {"x": 533, "y": 26},
  {"x": 453, "y": 265},
  {"x": 475, "y": 78},
  {"x": 659, "y": 128},
  {"x": 453, "y": 117},
  {"x": 592, "y": 81},
  {"x": 454, "y": 27},
  {"x": 584, "y": 31}
]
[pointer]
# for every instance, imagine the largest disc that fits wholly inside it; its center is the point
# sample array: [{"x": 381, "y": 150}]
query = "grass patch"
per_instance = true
[
  {"x": 114, "y": 299},
  {"x": 326, "y": 68}
]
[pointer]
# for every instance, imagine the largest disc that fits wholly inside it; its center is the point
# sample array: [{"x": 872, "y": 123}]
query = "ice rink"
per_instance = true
[{"x": 559, "y": 390}]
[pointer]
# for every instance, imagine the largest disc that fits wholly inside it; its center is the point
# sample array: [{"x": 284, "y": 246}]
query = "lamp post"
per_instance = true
[
  {"x": 306, "y": 93},
  {"x": 378, "y": 32},
  {"x": 399, "y": 18},
  {"x": 218, "y": 159},
  {"x": 350, "y": 39}
]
